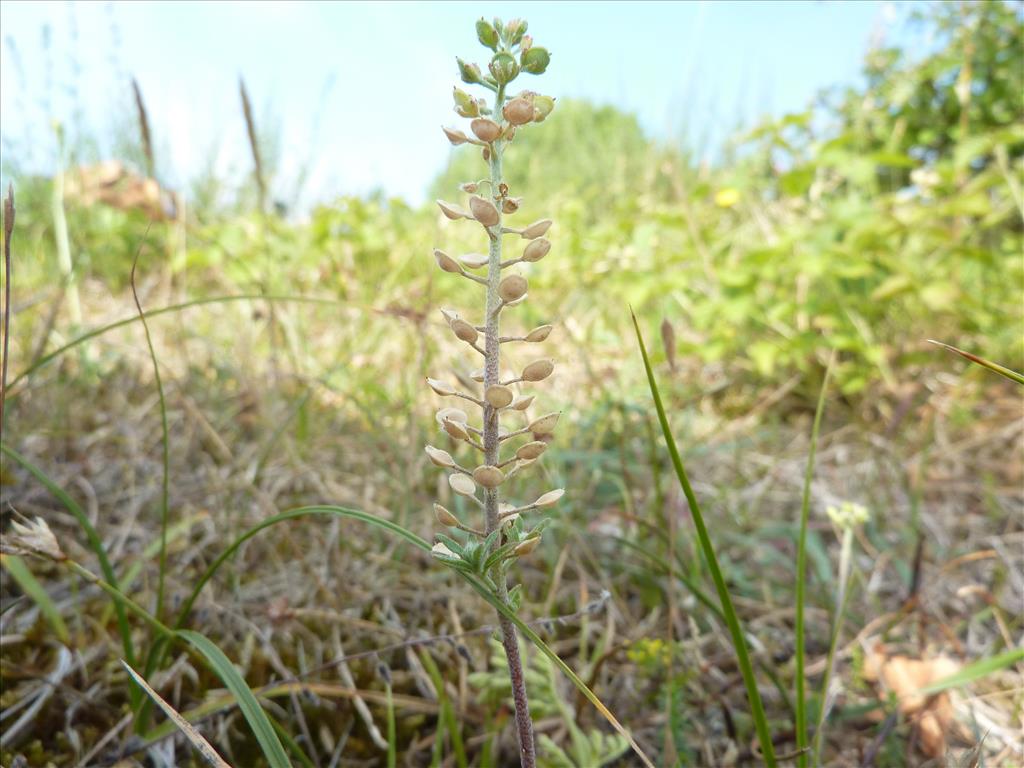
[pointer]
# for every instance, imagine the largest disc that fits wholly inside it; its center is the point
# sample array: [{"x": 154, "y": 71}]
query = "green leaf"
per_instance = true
[
  {"x": 976, "y": 671},
  {"x": 31, "y": 587},
  {"x": 254, "y": 715}
]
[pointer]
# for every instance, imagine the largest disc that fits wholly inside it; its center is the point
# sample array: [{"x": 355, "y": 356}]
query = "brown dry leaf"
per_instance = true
[{"x": 905, "y": 677}]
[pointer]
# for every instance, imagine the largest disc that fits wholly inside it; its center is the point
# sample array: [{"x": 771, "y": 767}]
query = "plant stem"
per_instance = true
[{"x": 492, "y": 375}]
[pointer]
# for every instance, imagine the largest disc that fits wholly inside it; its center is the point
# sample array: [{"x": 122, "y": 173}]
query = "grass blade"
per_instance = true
[
  {"x": 801, "y": 577},
  {"x": 202, "y": 745},
  {"x": 251, "y": 709},
  {"x": 1000, "y": 369},
  {"x": 95, "y": 542},
  {"x": 164, "y": 441},
  {"x": 31, "y": 587},
  {"x": 731, "y": 619},
  {"x": 976, "y": 671}
]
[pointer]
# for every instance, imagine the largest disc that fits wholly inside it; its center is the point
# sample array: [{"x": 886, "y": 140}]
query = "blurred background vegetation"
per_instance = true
[{"x": 883, "y": 215}]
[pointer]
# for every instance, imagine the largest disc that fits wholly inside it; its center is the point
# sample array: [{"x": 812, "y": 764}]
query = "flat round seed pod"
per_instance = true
[
  {"x": 538, "y": 370},
  {"x": 512, "y": 288},
  {"x": 527, "y": 546},
  {"x": 522, "y": 402},
  {"x": 545, "y": 424},
  {"x": 456, "y": 429},
  {"x": 537, "y": 229},
  {"x": 477, "y": 375},
  {"x": 454, "y": 136},
  {"x": 511, "y": 204},
  {"x": 488, "y": 476},
  {"x": 498, "y": 396},
  {"x": 440, "y": 387},
  {"x": 439, "y": 458},
  {"x": 474, "y": 260},
  {"x": 531, "y": 450},
  {"x": 446, "y": 262},
  {"x": 464, "y": 331},
  {"x": 550, "y": 498},
  {"x": 537, "y": 249},
  {"x": 453, "y": 211},
  {"x": 485, "y": 129},
  {"x": 540, "y": 333},
  {"x": 453, "y": 414},
  {"x": 462, "y": 484},
  {"x": 518, "y": 111},
  {"x": 484, "y": 211},
  {"x": 444, "y": 517}
]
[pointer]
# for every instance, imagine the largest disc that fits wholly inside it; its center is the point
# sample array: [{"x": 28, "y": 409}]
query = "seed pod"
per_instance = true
[
  {"x": 452, "y": 211},
  {"x": 487, "y": 35},
  {"x": 522, "y": 402},
  {"x": 488, "y": 476},
  {"x": 512, "y": 288},
  {"x": 439, "y": 458},
  {"x": 469, "y": 186},
  {"x": 485, "y": 129},
  {"x": 519, "y": 111},
  {"x": 498, "y": 396},
  {"x": 535, "y": 60},
  {"x": 537, "y": 249},
  {"x": 531, "y": 450},
  {"x": 452, "y": 414},
  {"x": 544, "y": 425},
  {"x": 462, "y": 484},
  {"x": 526, "y": 546},
  {"x": 454, "y": 136},
  {"x": 470, "y": 72},
  {"x": 444, "y": 517},
  {"x": 440, "y": 387},
  {"x": 538, "y": 370},
  {"x": 550, "y": 498},
  {"x": 477, "y": 375},
  {"x": 511, "y": 204},
  {"x": 539, "y": 333},
  {"x": 504, "y": 68},
  {"x": 474, "y": 260},
  {"x": 446, "y": 262},
  {"x": 536, "y": 229},
  {"x": 456, "y": 429},
  {"x": 464, "y": 331},
  {"x": 484, "y": 211},
  {"x": 519, "y": 466},
  {"x": 542, "y": 107},
  {"x": 465, "y": 103}
]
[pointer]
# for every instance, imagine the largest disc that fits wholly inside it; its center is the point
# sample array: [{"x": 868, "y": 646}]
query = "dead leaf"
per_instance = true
[{"x": 905, "y": 677}]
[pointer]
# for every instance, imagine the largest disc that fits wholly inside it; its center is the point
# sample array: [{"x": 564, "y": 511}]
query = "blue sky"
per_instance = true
[{"x": 357, "y": 91}]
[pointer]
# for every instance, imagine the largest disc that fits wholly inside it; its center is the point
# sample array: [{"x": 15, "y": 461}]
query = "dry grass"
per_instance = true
[{"x": 320, "y": 404}]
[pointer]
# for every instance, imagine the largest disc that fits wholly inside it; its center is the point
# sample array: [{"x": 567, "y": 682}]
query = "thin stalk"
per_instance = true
[
  {"x": 801, "y": 577},
  {"x": 492, "y": 375},
  {"x": 8, "y": 232}
]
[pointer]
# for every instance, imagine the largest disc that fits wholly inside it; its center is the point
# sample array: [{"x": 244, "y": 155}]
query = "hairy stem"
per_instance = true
[{"x": 492, "y": 375}]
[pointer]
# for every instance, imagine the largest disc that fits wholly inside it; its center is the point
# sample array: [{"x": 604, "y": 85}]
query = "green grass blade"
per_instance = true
[
  {"x": 202, "y": 746},
  {"x": 1000, "y": 369},
  {"x": 31, "y": 587},
  {"x": 801, "y": 576},
  {"x": 165, "y": 443},
  {"x": 50, "y": 356},
  {"x": 976, "y": 671},
  {"x": 95, "y": 543},
  {"x": 269, "y": 742},
  {"x": 732, "y": 620}
]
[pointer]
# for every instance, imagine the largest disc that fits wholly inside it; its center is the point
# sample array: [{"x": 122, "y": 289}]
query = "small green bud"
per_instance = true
[
  {"x": 487, "y": 35},
  {"x": 470, "y": 72},
  {"x": 535, "y": 60},
  {"x": 498, "y": 26},
  {"x": 465, "y": 104},
  {"x": 504, "y": 68},
  {"x": 542, "y": 107},
  {"x": 525, "y": 44},
  {"x": 514, "y": 31}
]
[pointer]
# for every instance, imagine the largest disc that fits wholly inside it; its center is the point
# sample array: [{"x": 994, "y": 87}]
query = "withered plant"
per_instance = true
[{"x": 496, "y": 452}]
